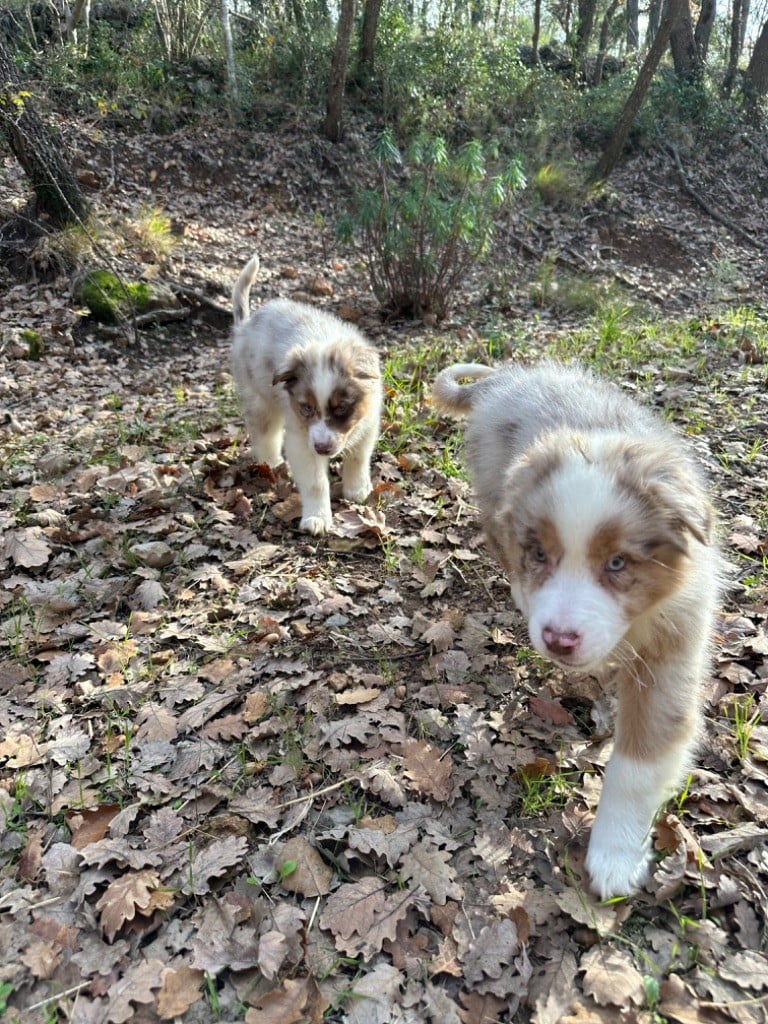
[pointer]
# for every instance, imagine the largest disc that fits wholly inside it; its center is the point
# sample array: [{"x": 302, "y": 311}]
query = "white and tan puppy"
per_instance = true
[
  {"x": 600, "y": 517},
  {"x": 310, "y": 386}
]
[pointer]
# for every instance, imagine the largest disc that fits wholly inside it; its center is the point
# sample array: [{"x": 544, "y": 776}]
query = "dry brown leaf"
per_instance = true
[
  {"x": 440, "y": 635},
  {"x": 137, "y": 985},
  {"x": 91, "y": 825},
  {"x": 361, "y": 916},
  {"x": 358, "y": 695},
  {"x": 677, "y": 1002},
  {"x": 282, "y": 1005},
  {"x": 611, "y": 978},
  {"x": 428, "y": 768},
  {"x": 492, "y": 952},
  {"x": 215, "y": 860},
  {"x": 748, "y": 968},
  {"x": 28, "y": 547},
  {"x": 31, "y": 856},
  {"x": 446, "y": 960},
  {"x": 124, "y": 898},
  {"x": 428, "y": 866},
  {"x": 42, "y": 958},
  {"x": 181, "y": 989},
  {"x": 480, "y": 1009},
  {"x": 311, "y": 876},
  {"x": 550, "y": 710}
]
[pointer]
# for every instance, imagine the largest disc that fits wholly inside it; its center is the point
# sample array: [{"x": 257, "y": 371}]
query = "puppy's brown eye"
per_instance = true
[
  {"x": 616, "y": 564},
  {"x": 538, "y": 553}
]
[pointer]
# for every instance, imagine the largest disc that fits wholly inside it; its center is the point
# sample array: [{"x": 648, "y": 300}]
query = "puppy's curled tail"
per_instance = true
[
  {"x": 241, "y": 291},
  {"x": 450, "y": 395}
]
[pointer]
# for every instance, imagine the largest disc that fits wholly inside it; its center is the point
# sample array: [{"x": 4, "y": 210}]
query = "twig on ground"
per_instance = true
[{"x": 710, "y": 210}]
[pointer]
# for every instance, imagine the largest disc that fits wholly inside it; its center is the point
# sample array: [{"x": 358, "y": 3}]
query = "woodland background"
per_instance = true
[{"x": 250, "y": 775}]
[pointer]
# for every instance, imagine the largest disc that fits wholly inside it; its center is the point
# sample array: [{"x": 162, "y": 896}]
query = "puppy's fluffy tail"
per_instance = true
[
  {"x": 449, "y": 394},
  {"x": 241, "y": 291}
]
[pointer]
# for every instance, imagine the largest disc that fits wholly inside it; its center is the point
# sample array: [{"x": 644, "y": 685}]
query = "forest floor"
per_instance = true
[{"x": 248, "y": 774}]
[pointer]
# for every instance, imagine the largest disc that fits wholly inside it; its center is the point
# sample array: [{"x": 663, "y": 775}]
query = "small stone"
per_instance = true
[{"x": 154, "y": 553}]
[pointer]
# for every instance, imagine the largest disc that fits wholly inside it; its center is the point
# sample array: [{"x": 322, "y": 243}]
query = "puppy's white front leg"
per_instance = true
[
  {"x": 620, "y": 851},
  {"x": 356, "y": 472},
  {"x": 310, "y": 473}
]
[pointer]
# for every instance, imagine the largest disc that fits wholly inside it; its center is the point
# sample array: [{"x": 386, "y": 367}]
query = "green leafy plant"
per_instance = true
[
  {"x": 543, "y": 786},
  {"x": 429, "y": 219},
  {"x": 744, "y": 721},
  {"x": 6, "y": 988}
]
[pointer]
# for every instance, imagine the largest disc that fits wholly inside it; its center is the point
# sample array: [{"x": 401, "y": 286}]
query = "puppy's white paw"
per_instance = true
[
  {"x": 617, "y": 869},
  {"x": 315, "y": 524}
]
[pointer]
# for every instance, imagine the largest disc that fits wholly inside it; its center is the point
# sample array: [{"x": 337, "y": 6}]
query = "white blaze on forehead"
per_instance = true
[
  {"x": 324, "y": 381},
  {"x": 583, "y": 497}
]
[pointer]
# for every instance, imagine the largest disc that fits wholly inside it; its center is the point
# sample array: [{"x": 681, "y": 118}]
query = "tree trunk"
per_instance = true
[
  {"x": 366, "y": 56},
  {"x": 339, "y": 71},
  {"x": 584, "y": 26},
  {"x": 654, "y": 20},
  {"x": 755, "y": 81},
  {"x": 226, "y": 27},
  {"x": 633, "y": 30},
  {"x": 605, "y": 30},
  {"x": 617, "y": 141},
  {"x": 74, "y": 17},
  {"x": 536, "y": 30},
  {"x": 734, "y": 48},
  {"x": 704, "y": 25},
  {"x": 686, "y": 59},
  {"x": 38, "y": 151}
]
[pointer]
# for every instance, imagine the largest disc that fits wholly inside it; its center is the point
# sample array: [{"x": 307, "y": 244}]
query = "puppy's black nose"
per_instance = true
[
  {"x": 561, "y": 643},
  {"x": 323, "y": 448}
]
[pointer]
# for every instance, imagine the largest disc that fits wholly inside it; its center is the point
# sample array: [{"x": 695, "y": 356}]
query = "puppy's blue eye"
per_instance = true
[
  {"x": 616, "y": 564},
  {"x": 306, "y": 411}
]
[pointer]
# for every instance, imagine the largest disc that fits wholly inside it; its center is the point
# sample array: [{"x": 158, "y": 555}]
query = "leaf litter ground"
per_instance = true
[{"x": 246, "y": 774}]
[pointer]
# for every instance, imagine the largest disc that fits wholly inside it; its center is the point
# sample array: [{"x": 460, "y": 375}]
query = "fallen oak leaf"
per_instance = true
[
  {"x": 428, "y": 866},
  {"x": 550, "y": 711},
  {"x": 273, "y": 949},
  {"x": 428, "y": 769},
  {"x": 491, "y": 952},
  {"x": 748, "y": 967},
  {"x": 287, "y": 1005},
  {"x": 42, "y": 957},
  {"x": 440, "y": 635},
  {"x": 214, "y": 861},
  {"x": 310, "y": 876},
  {"x": 611, "y": 978},
  {"x": 365, "y": 522},
  {"x": 480, "y": 1009},
  {"x": 358, "y": 695},
  {"x": 181, "y": 989},
  {"x": 361, "y": 916},
  {"x": 135, "y": 986},
  {"x": 27, "y": 547},
  {"x": 124, "y": 897}
]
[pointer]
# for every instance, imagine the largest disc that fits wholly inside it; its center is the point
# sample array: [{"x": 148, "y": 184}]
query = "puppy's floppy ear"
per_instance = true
[
  {"x": 290, "y": 371},
  {"x": 673, "y": 490},
  {"x": 366, "y": 364}
]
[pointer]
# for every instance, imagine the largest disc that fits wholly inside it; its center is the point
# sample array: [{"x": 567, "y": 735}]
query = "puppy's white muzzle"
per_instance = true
[
  {"x": 324, "y": 440},
  {"x": 573, "y": 621}
]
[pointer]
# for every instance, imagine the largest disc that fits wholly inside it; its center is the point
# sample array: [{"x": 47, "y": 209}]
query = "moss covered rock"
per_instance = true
[{"x": 110, "y": 299}]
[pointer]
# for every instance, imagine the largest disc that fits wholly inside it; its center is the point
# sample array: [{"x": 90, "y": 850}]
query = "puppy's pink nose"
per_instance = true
[{"x": 561, "y": 643}]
